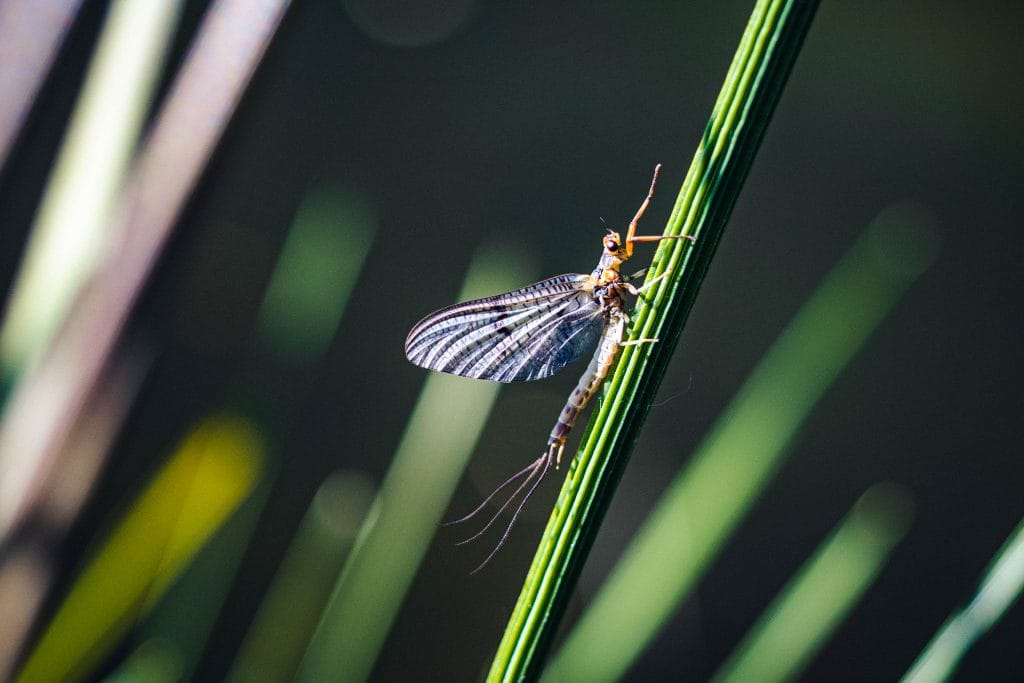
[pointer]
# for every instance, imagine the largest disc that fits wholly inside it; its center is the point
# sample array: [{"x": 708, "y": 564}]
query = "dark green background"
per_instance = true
[{"x": 532, "y": 121}]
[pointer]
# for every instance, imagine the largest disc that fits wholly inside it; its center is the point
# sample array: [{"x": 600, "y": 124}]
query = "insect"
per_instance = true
[{"x": 533, "y": 332}]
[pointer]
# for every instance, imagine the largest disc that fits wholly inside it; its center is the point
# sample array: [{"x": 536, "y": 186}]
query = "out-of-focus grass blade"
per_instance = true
[
  {"x": 73, "y": 222},
  {"x": 734, "y": 463},
  {"x": 291, "y": 609},
  {"x": 808, "y": 610},
  {"x": 28, "y": 567},
  {"x": 999, "y": 589},
  {"x": 31, "y": 32},
  {"x": 184, "y": 615},
  {"x": 49, "y": 396},
  {"x": 153, "y": 662},
  {"x": 319, "y": 264},
  {"x": 301, "y": 309},
  {"x": 211, "y": 473},
  {"x": 428, "y": 463}
]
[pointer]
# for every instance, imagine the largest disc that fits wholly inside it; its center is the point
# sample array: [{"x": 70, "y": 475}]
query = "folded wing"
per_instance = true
[{"x": 526, "y": 334}]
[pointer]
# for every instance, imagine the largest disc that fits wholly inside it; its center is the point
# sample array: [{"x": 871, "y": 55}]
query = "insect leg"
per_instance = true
[
  {"x": 658, "y": 238},
  {"x": 637, "y": 342},
  {"x": 640, "y": 212},
  {"x": 637, "y": 291},
  {"x": 631, "y": 236}
]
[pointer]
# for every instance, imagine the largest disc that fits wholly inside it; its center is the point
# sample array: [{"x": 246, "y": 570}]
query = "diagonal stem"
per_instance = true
[{"x": 745, "y": 104}]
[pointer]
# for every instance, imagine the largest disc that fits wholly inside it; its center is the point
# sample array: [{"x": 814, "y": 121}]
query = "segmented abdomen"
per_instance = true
[{"x": 604, "y": 358}]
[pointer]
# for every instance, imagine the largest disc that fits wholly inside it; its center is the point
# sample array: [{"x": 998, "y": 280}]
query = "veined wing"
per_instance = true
[{"x": 526, "y": 334}]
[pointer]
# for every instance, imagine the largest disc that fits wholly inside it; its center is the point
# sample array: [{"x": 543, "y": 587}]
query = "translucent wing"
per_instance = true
[{"x": 526, "y": 334}]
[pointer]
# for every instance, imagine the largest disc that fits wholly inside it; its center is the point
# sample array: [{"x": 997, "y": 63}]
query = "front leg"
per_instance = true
[{"x": 637, "y": 291}]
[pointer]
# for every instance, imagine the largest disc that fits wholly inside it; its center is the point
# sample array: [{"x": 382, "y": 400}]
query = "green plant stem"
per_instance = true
[
  {"x": 748, "y": 97},
  {"x": 743, "y": 450}
]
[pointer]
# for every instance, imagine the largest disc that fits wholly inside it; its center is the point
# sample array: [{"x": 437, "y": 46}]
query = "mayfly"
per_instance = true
[{"x": 533, "y": 332}]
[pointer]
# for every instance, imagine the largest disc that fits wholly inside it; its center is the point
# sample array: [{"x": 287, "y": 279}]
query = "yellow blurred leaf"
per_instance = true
[{"x": 212, "y": 472}]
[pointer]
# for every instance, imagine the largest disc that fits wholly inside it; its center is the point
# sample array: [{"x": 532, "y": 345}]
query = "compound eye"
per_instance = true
[{"x": 612, "y": 245}]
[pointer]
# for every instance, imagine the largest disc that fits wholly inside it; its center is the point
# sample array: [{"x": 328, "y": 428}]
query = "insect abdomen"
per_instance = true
[{"x": 604, "y": 358}]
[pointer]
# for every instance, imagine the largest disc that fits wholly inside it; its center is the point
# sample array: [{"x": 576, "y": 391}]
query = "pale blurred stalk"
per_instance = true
[
  {"x": 31, "y": 34},
  {"x": 51, "y": 394},
  {"x": 999, "y": 590},
  {"x": 73, "y": 223}
]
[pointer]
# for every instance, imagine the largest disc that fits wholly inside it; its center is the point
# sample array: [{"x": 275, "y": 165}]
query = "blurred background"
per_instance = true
[{"x": 379, "y": 150}]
